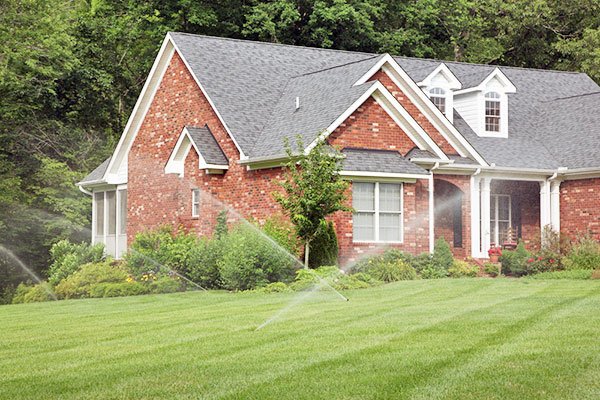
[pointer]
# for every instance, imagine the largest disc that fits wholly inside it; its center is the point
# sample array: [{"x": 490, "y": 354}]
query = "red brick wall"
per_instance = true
[
  {"x": 415, "y": 220},
  {"x": 580, "y": 207},
  {"x": 370, "y": 127},
  {"x": 450, "y": 186},
  {"x": 155, "y": 198},
  {"x": 414, "y": 112}
]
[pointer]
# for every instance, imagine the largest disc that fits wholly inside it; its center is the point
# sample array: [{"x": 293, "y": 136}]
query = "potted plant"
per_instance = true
[{"x": 494, "y": 254}]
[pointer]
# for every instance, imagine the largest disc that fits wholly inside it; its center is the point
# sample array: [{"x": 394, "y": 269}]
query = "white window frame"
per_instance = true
[
  {"x": 494, "y": 218},
  {"x": 195, "y": 201},
  {"x": 377, "y": 213},
  {"x": 497, "y": 98},
  {"x": 443, "y": 95}
]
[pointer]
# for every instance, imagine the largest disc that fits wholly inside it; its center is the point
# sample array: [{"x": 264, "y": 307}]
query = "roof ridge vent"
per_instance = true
[{"x": 297, "y": 102}]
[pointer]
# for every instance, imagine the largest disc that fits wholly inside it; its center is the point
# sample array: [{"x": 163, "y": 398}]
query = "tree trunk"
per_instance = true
[{"x": 306, "y": 251}]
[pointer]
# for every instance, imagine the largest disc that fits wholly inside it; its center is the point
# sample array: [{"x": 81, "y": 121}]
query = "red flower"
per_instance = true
[
  {"x": 552, "y": 261},
  {"x": 530, "y": 260},
  {"x": 539, "y": 258}
]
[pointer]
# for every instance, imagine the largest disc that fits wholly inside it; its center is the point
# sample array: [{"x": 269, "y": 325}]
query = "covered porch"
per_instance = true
[{"x": 505, "y": 209}]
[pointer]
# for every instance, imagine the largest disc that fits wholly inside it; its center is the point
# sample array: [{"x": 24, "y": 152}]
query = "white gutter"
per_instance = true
[
  {"x": 84, "y": 191},
  {"x": 431, "y": 209}
]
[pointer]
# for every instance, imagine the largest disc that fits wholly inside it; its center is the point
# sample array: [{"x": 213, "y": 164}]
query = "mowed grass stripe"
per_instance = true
[
  {"x": 425, "y": 339},
  {"x": 388, "y": 343}
]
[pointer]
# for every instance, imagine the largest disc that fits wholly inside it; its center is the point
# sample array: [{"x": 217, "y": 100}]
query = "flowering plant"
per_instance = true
[{"x": 494, "y": 250}]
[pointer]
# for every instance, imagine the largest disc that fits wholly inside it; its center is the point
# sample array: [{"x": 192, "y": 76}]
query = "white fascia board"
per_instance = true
[
  {"x": 383, "y": 96},
  {"x": 422, "y": 139},
  {"x": 451, "y": 79},
  {"x": 450, "y": 133},
  {"x": 242, "y": 155},
  {"x": 383, "y": 175},
  {"x": 141, "y": 107},
  {"x": 174, "y": 166},
  {"x": 344, "y": 116},
  {"x": 508, "y": 86}
]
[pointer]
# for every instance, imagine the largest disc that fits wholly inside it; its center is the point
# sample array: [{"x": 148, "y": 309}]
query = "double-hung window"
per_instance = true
[
  {"x": 378, "y": 216},
  {"x": 492, "y": 112},
  {"x": 195, "y": 202}
]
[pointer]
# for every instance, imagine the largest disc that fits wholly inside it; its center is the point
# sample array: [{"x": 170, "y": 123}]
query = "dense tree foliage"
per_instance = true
[{"x": 71, "y": 70}]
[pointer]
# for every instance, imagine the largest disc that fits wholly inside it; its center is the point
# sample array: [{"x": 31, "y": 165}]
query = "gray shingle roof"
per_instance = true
[
  {"x": 207, "y": 145},
  {"x": 254, "y": 85},
  {"x": 379, "y": 161},
  {"x": 96, "y": 174},
  {"x": 415, "y": 152}
]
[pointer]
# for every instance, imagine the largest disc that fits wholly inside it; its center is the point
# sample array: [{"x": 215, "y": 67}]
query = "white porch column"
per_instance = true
[
  {"x": 544, "y": 204},
  {"x": 475, "y": 217},
  {"x": 431, "y": 215},
  {"x": 555, "y": 205},
  {"x": 485, "y": 215}
]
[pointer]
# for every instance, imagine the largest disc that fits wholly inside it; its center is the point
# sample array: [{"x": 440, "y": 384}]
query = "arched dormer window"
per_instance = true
[
  {"x": 438, "y": 97},
  {"x": 492, "y": 112}
]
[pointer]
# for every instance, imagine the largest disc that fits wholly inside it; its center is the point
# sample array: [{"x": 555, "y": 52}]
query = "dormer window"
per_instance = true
[
  {"x": 492, "y": 112},
  {"x": 438, "y": 97}
]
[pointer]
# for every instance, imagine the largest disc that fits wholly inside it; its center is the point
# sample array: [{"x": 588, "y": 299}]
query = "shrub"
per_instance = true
[
  {"x": 324, "y": 247},
  {"x": 25, "y": 293},
  {"x": 275, "y": 287},
  {"x": 356, "y": 281},
  {"x": 80, "y": 283},
  {"x": 421, "y": 262},
  {"x": 515, "y": 262},
  {"x": 583, "y": 254},
  {"x": 442, "y": 255},
  {"x": 7, "y": 294},
  {"x": 118, "y": 289},
  {"x": 543, "y": 262},
  {"x": 202, "y": 266},
  {"x": 491, "y": 269},
  {"x": 67, "y": 257},
  {"x": 567, "y": 274},
  {"x": 20, "y": 292},
  {"x": 165, "y": 285},
  {"x": 462, "y": 269},
  {"x": 159, "y": 250},
  {"x": 392, "y": 271},
  {"x": 249, "y": 260}
]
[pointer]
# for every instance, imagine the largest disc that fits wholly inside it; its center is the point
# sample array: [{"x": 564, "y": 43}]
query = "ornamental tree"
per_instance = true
[{"x": 313, "y": 189}]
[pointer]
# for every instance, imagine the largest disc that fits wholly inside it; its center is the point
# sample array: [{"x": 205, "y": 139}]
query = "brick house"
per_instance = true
[{"x": 433, "y": 148}]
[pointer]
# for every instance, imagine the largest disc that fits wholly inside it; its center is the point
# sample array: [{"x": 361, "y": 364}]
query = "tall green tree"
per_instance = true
[{"x": 312, "y": 189}]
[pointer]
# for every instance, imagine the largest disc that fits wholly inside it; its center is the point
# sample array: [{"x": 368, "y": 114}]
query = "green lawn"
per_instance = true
[{"x": 463, "y": 339}]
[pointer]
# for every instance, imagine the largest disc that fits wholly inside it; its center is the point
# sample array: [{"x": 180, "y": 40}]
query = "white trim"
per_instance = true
[
  {"x": 176, "y": 162},
  {"x": 395, "y": 110},
  {"x": 555, "y": 205},
  {"x": 508, "y": 86},
  {"x": 195, "y": 199},
  {"x": 431, "y": 214},
  {"x": 475, "y": 216},
  {"x": 452, "y": 81},
  {"x": 450, "y": 130},
  {"x": 376, "y": 213},
  {"x": 383, "y": 175},
  {"x": 137, "y": 116}
]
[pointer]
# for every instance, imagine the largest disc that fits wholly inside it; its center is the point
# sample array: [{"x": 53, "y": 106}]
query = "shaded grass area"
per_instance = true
[{"x": 462, "y": 339}]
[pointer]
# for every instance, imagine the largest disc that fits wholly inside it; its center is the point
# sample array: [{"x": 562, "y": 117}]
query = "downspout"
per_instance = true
[
  {"x": 431, "y": 208},
  {"x": 85, "y": 191}
]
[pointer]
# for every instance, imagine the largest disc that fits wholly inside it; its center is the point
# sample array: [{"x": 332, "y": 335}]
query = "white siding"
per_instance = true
[
  {"x": 469, "y": 106},
  {"x": 122, "y": 172}
]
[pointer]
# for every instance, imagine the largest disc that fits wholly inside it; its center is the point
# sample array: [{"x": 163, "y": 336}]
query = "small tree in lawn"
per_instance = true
[{"x": 313, "y": 189}]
